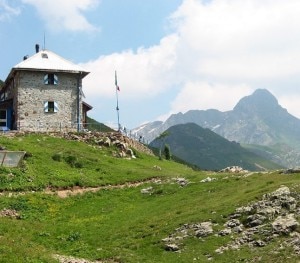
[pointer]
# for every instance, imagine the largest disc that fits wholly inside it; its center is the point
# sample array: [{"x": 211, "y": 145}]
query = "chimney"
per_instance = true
[
  {"x": 37, "y": 48},
  {"x": 25, "y": 57}
]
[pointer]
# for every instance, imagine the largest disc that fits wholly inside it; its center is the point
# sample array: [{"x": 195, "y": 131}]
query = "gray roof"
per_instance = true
[{"x": 46, "y": 60}]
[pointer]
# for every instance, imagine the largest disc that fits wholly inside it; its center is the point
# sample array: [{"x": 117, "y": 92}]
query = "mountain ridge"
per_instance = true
[{"x": 256, "y": 119}]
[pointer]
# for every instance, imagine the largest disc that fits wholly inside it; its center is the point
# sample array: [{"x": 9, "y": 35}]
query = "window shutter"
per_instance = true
[
  {"x": 46, "y": 109},
  {"x": 55, "y": 80},
  {"x": 55, "y": 106},
  {"x": 46, "y": 79}
]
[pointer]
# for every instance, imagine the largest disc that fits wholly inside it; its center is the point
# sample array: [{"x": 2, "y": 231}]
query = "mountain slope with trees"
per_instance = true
[{"x": 208, "y": 150}]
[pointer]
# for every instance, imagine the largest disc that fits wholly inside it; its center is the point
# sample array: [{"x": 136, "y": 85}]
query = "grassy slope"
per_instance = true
[
  {"x": 122, "y": 223},
  {"x": 94, "y": 125}
]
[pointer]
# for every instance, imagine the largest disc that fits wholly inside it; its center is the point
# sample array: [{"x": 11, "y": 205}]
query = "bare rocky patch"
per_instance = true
[
  {"x": 257, "y": 224},
  {"x": 9, "y": 213},
  {"x": 69, "y": 259}
]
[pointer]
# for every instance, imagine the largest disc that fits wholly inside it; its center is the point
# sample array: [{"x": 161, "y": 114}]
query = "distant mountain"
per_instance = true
[
  {"x": 208, "y": 150},
  {"x": 148, "y": 128},
  {"x": 257, "y": 120}
]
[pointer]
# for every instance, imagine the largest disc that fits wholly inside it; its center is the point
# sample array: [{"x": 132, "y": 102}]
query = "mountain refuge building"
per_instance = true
[{"x": 44, "y": 93}]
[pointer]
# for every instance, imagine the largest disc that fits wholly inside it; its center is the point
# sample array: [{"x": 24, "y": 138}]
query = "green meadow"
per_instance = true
[{"x": 118, "y": 223}]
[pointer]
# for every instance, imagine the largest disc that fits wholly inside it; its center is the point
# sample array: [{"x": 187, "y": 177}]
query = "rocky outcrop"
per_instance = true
[
  {"x": 265, "y": 220},
  {"x": 108, "y": 139},
  {"x": 258, "y": 223},
  {"x": 173, "y": 241},
  {"x": 125, "y": 145}
]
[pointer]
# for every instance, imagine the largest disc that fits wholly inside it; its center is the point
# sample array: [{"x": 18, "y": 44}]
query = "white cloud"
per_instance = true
[
  {"x": 290, "y": 102},
  {"x": 144, "y": 73},
  {"x": 66, "y": 14},
  {"x": 203, "y": 95},
  {"x": 220, "y": 51},
  {"x": 7, "y": 11},
  {"x": 250, "y": 39}
]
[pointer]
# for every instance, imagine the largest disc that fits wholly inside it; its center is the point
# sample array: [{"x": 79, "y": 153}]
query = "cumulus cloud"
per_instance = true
[
  {"x": 219, "y": 52},
  {"x": 66, "y": 14},
  {"x": 7, "y": 10},
  {"x": 203, "y": 95},
  {"x": 234, "y": 39},
  {"x": 146, "y": 72}
]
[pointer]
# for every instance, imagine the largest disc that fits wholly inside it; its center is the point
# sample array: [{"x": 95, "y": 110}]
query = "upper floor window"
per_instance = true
[{"x": 50, "y": 79}]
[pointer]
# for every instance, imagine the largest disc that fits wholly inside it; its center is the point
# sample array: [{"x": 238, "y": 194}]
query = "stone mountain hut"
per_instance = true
[{"x": 43, "y": 93}]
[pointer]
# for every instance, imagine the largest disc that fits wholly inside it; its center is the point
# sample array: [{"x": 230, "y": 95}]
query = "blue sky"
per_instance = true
[{"x": 171, "y": 55}]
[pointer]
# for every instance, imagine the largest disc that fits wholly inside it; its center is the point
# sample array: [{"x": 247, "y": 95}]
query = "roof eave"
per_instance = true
[{"x": 83, "y": 73}]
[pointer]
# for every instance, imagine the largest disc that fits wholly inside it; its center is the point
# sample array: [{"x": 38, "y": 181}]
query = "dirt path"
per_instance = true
[{"x": 81, "y": 190}]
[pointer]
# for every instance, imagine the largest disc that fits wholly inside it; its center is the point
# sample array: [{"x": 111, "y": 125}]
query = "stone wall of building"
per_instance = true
[{"x": 30, "y": 114}]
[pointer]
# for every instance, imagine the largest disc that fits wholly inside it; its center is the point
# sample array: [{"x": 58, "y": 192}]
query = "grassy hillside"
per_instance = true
[
  {"x": 94, "y": 125},
  {"x": 118, "y": 223}
]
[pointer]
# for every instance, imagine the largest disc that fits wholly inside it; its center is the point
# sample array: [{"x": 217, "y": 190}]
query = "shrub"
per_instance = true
[
  {"x": 78, "y": 165},
  {"x": 74, "y": 236},
  {"x": 57, "y": 157},
  {"x": 71, "y": 160},
  {"x": 167, "y": 152}
]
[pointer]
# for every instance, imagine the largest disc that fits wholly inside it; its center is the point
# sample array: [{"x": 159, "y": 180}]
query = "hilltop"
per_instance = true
[{"x": 137, "y": 208}]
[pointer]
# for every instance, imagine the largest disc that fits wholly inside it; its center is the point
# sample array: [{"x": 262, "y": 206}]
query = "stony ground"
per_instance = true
[{"x": 255, "y": 225}]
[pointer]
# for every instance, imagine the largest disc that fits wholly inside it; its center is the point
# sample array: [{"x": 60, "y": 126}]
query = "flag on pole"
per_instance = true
[{"x": 116, "y": 82}]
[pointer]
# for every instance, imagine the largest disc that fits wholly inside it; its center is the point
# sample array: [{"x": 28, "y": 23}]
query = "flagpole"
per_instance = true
[{"x": 117, "y": 108}]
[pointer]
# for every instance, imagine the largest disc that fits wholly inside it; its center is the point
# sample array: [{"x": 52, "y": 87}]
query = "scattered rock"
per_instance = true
[
  {"x": 148, "y": 190},
  {"x": 203, "y": 229},
  {"x": 9, "y": 213},
  {"x": 171, "y": 247},
  {"x": 232, "y": 223},
  {"x": 68, "y": 259},
  {"x": 285, "y": 224},
  {"x": 279, "y": 204},
  {"x": 198, "y": 230},
  {"x": 181, "y": 181},
  {"x": 156, "y": 167},
  {"x": 208, "y": 179},
  {"x": 225, "y": 232},
  {"x": 254, "y": 225},
  {"x": 233, "y": 169},
  {"x": 259, "y": 243}
]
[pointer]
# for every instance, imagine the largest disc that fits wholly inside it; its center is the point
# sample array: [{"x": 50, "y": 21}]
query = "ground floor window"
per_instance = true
[
  {"x": 50, "y": 106},
  {"x": 3, "y": 118}
]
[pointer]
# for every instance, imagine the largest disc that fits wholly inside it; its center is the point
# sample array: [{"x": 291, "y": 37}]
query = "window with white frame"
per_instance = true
[
  {"x": 50, "y": 79},
  {"x": 50, "y": 106}
]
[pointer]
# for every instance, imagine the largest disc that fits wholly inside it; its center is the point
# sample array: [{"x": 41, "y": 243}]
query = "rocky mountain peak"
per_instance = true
[{"x": 260, "y": 101}]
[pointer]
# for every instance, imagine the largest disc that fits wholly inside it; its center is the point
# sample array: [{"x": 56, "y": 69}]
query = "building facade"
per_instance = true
[{"x": 44, "y": 93}]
